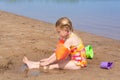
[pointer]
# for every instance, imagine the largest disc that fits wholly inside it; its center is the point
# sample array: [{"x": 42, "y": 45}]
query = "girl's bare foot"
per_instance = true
[{"x": 31, "y": 64}]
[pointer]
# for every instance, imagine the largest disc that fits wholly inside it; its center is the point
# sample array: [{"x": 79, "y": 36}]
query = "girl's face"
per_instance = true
[{"x": 62, "y": 32}]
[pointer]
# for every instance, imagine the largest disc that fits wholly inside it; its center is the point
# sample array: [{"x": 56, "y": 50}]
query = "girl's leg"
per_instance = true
[
  {"x": 67, "y": 64},
  {"x": 71, "y": 65},
  {"x": 31, "y": 64}
]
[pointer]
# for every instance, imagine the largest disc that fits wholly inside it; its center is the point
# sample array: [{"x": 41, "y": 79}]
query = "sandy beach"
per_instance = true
[{"x": 36, "y": 39}]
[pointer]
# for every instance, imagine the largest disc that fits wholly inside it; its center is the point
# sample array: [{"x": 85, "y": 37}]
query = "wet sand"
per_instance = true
[{"x": 36, "y": 39}]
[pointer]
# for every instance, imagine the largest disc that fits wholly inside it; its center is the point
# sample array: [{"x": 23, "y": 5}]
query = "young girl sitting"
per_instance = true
[{"x": 69, "y": 53}]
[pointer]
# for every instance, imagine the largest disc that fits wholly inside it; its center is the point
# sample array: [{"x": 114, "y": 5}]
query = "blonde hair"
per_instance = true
[{"x": 64, "y": 22}]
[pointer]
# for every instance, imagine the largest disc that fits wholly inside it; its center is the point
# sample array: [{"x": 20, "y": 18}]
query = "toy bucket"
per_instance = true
[
  {"x": 106, "y": 65},
  {"x": 89, "y": 52}
]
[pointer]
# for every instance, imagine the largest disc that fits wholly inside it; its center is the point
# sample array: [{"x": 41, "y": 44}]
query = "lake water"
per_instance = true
[{"x": 101, "y": 17}]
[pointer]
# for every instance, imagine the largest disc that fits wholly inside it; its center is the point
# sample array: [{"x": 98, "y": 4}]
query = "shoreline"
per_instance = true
[
  {"x": 98, "y": 33},
  {"x": 36, "y": 39}
]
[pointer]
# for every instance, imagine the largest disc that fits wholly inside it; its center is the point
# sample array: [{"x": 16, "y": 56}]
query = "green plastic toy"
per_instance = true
[{"x": 89, "y": 52}]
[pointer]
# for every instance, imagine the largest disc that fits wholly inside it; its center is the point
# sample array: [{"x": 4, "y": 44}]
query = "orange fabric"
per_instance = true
[{"x": 61, "y": 51}]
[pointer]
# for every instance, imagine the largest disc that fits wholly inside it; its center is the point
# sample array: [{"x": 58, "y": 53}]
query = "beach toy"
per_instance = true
[
  {"x": 106, "y": 65},
  {"x": 89, "y": 52}
]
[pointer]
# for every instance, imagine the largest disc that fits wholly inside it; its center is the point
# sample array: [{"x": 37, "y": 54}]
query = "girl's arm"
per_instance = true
[
  {"x": 49, "y": 60},
  {"x": 46, "y": 59},
  {"x": 52, "y": 56}
]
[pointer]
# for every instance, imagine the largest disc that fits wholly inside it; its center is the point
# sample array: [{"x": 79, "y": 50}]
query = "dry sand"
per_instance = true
[{"x": 36, "y": 39}]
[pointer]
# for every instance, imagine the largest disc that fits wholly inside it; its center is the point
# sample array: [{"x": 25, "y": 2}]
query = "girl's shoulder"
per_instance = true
[{"x": 73, "y": 40}]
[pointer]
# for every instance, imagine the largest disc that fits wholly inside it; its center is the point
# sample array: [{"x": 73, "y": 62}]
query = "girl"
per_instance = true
[{"x": 69, "y": 53}]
